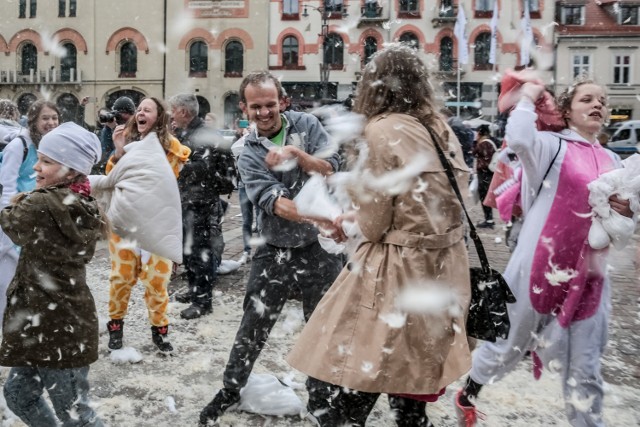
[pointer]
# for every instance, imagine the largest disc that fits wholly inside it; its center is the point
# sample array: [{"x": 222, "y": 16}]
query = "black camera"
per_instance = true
[{"x": 106, "y": 117}]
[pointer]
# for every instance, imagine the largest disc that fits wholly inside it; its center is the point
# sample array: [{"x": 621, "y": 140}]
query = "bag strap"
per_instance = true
[
  {"x": 549, "y": 168},
  {"x": 25, "y": 149},
  {"x": 482, "y": 255}
]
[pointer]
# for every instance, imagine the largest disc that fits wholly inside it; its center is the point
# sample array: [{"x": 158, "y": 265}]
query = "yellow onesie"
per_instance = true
[{"x": 128, "y": 263}]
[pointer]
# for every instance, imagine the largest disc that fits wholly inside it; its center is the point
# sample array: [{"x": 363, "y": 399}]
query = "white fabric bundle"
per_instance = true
[
  {"x": 141, "y": 198},
  {"x": 607, "y": 225}
]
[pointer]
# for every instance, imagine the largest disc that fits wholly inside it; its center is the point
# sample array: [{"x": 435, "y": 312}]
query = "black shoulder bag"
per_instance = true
[{"x": 488, "y": 317}]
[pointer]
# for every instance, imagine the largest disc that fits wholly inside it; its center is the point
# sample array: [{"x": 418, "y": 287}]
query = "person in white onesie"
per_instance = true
[{"x": 563, "y": 299}]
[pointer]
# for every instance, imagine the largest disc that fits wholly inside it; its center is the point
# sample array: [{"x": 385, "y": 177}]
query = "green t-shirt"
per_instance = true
[{"x": 278, "y": 138}]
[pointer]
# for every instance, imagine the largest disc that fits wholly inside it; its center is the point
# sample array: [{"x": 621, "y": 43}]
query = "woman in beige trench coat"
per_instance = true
[{"x": 363, "y": 335}]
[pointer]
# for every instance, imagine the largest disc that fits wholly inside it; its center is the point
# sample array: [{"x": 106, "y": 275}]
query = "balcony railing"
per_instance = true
[
  {"x": 446, "y": 16},
  {"x": 37, "y": 77},
  {"x": 373, "y": 13}
]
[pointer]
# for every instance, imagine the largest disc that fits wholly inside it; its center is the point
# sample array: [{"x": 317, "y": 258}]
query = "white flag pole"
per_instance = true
[{"x": 463, "y": 50}]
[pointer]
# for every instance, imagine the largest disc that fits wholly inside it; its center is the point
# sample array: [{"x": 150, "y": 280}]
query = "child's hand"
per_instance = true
[{"x": 621, "y": 206}]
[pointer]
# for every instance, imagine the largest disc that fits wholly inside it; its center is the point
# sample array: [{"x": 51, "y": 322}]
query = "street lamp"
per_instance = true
[{"x": 324, "y": 32}]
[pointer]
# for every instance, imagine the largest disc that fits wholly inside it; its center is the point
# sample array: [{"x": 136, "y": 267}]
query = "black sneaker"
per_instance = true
[
  {"x": 485, "y": 224},
  {"x": 183, "y": 297},
  {"x": 115, "y": 328},
  {"x": 194, "y": 311},
  {"x": 159, "y": 338},
  {"x": 223, "y": 400}
]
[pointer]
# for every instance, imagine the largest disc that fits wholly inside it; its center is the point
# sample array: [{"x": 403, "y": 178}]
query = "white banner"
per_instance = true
[
  {"x": 494, "y": 34},
  {"x": 458, "y": 30},
  {"x": 527, "y": 39}
]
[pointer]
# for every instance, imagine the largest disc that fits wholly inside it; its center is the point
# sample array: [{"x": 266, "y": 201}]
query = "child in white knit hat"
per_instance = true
[{"x": 50, "y": 328}]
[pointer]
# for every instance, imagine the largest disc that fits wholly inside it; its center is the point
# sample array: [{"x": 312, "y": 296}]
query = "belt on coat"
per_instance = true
[{"x": 431, "y": 241}]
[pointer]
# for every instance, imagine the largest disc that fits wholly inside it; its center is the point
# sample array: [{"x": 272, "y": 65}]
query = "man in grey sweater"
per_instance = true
[{"x": 280, "y": 153}]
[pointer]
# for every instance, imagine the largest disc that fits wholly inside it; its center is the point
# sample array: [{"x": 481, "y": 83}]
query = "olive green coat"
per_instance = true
[
  {"x": 357, "y": 336},
  {"x": 51, "y": 318}
]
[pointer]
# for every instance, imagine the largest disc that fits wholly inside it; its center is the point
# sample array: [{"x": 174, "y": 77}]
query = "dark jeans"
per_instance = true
[
  {"x": 484, "y": 179},
  {"x": 246, "y": 207},
  {"x": 352, "y": 408},
  {"x": 203, "y": 247},
  {"x": 274, "y": 273},
  {"x": 68, "y": 390}
]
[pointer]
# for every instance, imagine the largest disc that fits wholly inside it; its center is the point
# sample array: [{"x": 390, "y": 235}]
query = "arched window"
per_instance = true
[
  {"x": 290, "y": 51},
  {"x": 370, "y": 47},
  {"x": 69, "y": 62},
  {"x": 481, "y": 53},
  {"x": 68, "y": 106},
  {"x": 198, "y": 59},
  {"x": 410, "y": 39},
  {"x": 446, "y": 54},
  {"x": 334, "y": 51},
  {"x": 203, "y": 106},
  {"x": 231, "y": 109},
  {"x": 233, "y": 59},
  {"x": 29, "y": 58},
  {"x": 128, "y": 60},
  {"x": 135, "y": 96},
  {"x": 24, "y": 102}
]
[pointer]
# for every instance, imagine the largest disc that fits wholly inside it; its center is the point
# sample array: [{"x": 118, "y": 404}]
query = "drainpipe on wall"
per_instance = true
[{"x": 164, "y": 54}]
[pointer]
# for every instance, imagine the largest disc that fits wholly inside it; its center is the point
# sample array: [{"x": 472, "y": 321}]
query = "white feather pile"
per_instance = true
[{"x": 607, "y": 225}]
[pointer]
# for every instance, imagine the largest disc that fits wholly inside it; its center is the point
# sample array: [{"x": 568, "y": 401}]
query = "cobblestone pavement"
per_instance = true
[{"x": 621, "y": 364}]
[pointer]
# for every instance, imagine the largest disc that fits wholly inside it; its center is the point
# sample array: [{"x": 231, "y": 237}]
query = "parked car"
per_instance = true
[{"x": 626, "y": 138}]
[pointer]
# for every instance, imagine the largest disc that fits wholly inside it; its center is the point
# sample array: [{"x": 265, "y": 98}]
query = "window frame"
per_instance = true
[
  {"x": 564, "y": 9},
  {"x": 73, "y": 8},
  {"x": 366, "y": 46},
  {"x": 406, "y": 11},
  {"x": 30, "y": 57},
  {"x": 486, "y": 11},
  {"x": 203, "y": 63},
  {"x": 229, "y": 68},
  {"x": 414, "y": 43},
  {"x": 62, "y": 8},
  {"x": 479, "y": 52},
  {"x": 289, "y": 11},
  {"x": 289, "y": 51},
  {"x": 66, "y": 62},
  {"x": 624, "y": 78},
  {"x": 131, "y": 70},
  {"x": 635, "y": 20},
  {"x": 582, "y": 68},
  {"x": 22, "y": 9},
  {"x": 33, "y": 8},
  {"x": 442, "y": 56},
  {"x": 334, "y": 49}
]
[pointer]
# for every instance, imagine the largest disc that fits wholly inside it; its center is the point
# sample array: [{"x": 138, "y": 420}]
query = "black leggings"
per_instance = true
[
  {"x": 484, "y": 180},
  {"x": 352, "y": 408}
]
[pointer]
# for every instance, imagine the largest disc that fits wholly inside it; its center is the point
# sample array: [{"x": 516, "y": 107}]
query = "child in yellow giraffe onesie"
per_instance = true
[{"x": 128, "y": 262}]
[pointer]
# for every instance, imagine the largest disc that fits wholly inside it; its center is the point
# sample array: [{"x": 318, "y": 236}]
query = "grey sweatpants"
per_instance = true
[{"x": 573, "y": 352}]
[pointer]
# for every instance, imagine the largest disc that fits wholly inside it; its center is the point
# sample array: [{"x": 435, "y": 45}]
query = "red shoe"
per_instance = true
[{"x": 468, "y": 416}]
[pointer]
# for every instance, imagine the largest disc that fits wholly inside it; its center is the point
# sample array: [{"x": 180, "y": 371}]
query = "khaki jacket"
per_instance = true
[{"x": 356, "y": 337}]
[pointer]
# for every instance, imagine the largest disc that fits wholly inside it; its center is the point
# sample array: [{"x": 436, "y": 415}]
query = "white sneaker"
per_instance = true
[{"x": 245, "y": 258}]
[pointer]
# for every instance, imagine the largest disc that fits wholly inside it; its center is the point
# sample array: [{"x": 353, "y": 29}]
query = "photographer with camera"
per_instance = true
[{"x": 123, "y": 108}]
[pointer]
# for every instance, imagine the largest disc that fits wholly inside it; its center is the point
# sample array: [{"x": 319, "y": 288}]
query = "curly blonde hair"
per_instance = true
[{"x": 565, "y": 98}]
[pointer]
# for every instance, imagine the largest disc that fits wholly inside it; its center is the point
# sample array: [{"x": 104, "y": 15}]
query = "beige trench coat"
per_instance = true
[{"x": 414, "y": 238}]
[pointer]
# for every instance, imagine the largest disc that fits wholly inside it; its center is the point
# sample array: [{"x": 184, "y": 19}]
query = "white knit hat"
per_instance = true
[{"x": 72, "y": 146}]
